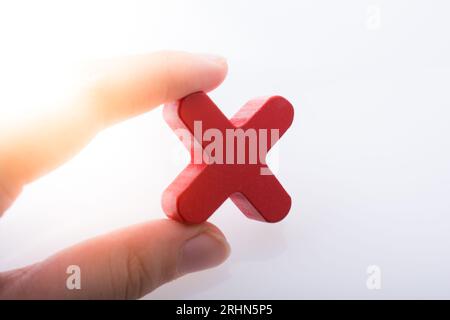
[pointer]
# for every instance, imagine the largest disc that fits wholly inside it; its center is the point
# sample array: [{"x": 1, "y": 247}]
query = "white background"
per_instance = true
[{"x": 367, "y": 160}]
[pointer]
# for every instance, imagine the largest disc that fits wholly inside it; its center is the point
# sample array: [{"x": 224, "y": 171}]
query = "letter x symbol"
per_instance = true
[{"x": 202, "y": 187}]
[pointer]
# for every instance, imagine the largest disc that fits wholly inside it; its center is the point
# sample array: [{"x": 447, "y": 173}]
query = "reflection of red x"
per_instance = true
[{"x": 201, "y": 187}]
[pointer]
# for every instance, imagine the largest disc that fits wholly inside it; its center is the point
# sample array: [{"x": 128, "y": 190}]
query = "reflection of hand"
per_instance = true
[{"x": 131, "y": 262}]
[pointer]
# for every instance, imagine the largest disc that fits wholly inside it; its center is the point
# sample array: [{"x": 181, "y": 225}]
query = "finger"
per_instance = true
[
  {"x": 132, "y": 86},
  {"x": 122, "y": 265}
]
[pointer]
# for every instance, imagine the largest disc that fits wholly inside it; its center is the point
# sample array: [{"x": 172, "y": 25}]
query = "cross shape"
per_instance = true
[{"x": 216, "y": 174}]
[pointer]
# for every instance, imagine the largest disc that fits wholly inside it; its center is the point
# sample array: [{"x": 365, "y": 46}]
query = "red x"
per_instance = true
[{"x": 202, "y": 187}]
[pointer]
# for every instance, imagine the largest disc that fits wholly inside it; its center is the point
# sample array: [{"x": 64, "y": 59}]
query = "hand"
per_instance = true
[{"x": 132, "y": 262}]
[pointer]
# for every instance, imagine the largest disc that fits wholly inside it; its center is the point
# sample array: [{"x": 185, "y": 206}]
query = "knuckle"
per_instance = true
[
  {"x": 145, "y": 272},
  {"x": 138, "y": 278}
]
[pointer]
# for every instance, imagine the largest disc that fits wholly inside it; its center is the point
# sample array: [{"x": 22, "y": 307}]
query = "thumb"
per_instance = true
[{"x": 126, "y": 264}]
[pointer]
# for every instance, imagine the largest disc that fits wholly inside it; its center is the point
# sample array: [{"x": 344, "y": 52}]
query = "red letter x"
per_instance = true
[{"x": 202, "y": 187}]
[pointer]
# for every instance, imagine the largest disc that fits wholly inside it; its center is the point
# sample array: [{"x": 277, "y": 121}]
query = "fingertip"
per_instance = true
[
  {"x": 220, "y": 236},
  {"x": 207, "y": 71},
  {"x": 197, "y": 247},
  {"x": 220, "y": 65},
  {"x": 206, "y": 250}
]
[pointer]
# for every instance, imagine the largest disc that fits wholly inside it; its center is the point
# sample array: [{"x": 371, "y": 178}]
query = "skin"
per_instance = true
[{"x": 128, "y": 263}]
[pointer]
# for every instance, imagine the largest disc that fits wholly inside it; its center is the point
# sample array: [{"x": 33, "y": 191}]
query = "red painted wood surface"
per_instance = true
[{"x": 203, "y": 186}]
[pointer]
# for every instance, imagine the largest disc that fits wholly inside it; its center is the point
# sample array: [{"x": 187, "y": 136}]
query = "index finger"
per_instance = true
[{"x": 133, "y": 86}]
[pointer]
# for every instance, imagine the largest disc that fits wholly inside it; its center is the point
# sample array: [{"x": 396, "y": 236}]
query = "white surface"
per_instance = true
[{"x": 366, "y": 161}]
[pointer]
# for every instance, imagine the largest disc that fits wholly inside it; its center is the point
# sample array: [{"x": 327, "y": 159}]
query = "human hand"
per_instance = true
[{"x": 134, "y": 261}]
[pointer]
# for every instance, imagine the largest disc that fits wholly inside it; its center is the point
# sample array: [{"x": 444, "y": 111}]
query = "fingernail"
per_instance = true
[
  {"x": 214, "y": 58},
  {"x": 204, "y": 251}
]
